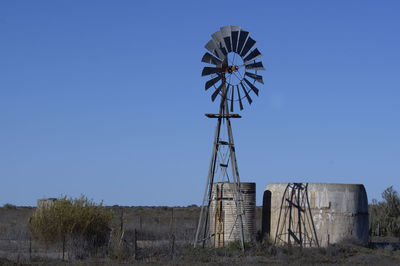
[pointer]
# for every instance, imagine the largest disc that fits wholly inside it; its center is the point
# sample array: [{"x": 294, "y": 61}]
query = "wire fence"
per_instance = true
[{"x": 136, "y": 233}]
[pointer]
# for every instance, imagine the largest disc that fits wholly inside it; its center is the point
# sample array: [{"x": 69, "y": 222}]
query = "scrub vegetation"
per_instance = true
[
  {"x": 80, "y": 221},
  {"x": 81, "y": 232},
  {"x": 384, "y": 216}
]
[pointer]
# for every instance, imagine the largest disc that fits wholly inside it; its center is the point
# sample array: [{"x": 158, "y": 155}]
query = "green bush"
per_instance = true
[{"x": 72, "y": 219}]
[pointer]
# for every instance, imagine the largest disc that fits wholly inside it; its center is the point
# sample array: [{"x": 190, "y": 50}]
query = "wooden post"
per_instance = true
[
  {"x": 171, "y": 223},
  {"x": 30, "y": 241},
  {"x": 135, "y": 245},
  {"x": 30, "y": 248},
  {"x": 63, "y": 248},
  {"x": 121, "y": 219},
  {"x": 121, "y": 227},
  {"x": 379, "y": 230},
  {"x": 172, "y": 246},
  {"x": 171, "y": 234}
]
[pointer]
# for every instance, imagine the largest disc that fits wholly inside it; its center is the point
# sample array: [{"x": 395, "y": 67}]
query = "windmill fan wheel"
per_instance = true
[{"x": 233, "y": 65}]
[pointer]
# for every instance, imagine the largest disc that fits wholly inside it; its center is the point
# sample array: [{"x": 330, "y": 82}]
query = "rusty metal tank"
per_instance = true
[{"x": 224, "y": 221}]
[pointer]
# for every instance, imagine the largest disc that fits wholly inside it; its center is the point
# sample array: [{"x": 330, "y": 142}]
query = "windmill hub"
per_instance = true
[{"x": 231, "y": 69}]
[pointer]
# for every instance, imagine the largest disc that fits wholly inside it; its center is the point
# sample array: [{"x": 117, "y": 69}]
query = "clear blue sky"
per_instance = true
[{"x": 105, "y": 98}]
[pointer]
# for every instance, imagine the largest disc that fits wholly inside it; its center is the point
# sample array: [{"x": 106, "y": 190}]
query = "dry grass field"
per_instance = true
[{"x": 163, "y": 235}]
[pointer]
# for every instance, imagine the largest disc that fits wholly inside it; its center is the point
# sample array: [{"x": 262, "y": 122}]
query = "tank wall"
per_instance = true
[
  {"x": 45, "y": 203},
  {"x": 249, "y": 205},
  {"x": 226, "y": 226},
  {"x": 339, "y": 211}
]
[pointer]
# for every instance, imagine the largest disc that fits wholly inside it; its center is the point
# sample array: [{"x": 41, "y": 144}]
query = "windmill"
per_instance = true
[{"x": 233, "y": 72}]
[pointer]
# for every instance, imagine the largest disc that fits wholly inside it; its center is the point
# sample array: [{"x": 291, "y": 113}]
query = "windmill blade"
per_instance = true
[
  {"x": 240, "y": 98},
  {"x": 217, "y": 36},
  {"x": 216, "y": 92},
  {"x": 225, "y": 31},
  {"x": 210, "y": 70},
  {"x": 233, "y": 91},
  {"x": 250, "y": 43},
  {"x": 257, "y": 78},
  {"x": 213, "y": 48},
  {"x": 235, "y": 37},
  {"x": 222, "y": 48},
  {"x": 245, "y": 92},
  {"x": 210, "y": 59},
  {"x": 254, "y": 88},
  {"x": 255, "y": 66},
  {"x": 255, "y": 54},
  {"x": 235, "y": 28},
  {"x": 226, "y": 35},
  {"x": 211, "y": 82},
  {"x": 228, "y": 44},
  {"x": 242, "y": 39},
  {"x": 225, "y": 62}
]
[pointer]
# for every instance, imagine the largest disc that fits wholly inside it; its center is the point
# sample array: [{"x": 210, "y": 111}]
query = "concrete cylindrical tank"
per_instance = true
[
  {"x": 337, "y": 212},
  {"x": 224, "y": 222},
  {"x": 45, "y": 203}
]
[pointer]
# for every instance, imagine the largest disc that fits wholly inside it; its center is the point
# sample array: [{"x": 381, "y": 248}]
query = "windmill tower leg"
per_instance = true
[
  {"x": 203, "y": 231},
  {"x": 204, "y": 213}
]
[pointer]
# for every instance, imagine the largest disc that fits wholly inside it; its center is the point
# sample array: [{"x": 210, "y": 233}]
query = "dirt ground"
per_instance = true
[{"x": 153, "y": 226}]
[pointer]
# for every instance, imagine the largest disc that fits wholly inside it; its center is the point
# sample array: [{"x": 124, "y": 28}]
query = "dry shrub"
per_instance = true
[
  {"x": 9, "y": 206},
  {"x": 384, "y": 218},
  {"x": 69, "y": 218}
]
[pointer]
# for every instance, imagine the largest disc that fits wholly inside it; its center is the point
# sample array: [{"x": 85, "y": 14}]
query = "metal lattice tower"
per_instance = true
[{"x": 233, "y": 57}]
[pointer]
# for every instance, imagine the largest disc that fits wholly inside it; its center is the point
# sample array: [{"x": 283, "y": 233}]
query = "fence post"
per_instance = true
[
  {"x": 63, "y": 248},
  {"x": 30, "y": 240},
  {"x": 30, "y": 248},
  {"x": 171, "y": 223},
  {"x": 135, "y": 245},
  {"x": 171, "y": 234},
  {"x": 172, "y": 246},
  {"x": 121, "y": 220}
]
